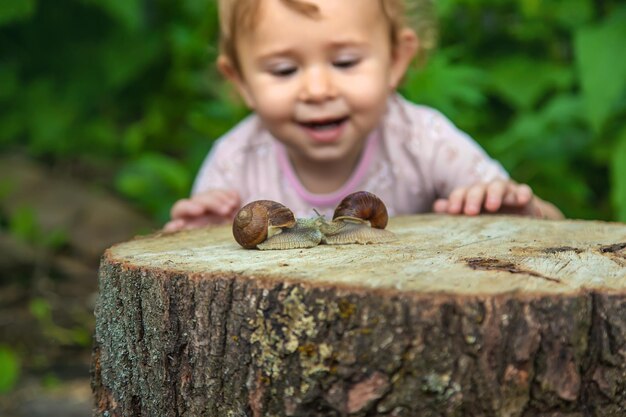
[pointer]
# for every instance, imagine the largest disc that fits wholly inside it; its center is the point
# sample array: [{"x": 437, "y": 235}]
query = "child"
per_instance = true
[{"x": 320, "y": 77}]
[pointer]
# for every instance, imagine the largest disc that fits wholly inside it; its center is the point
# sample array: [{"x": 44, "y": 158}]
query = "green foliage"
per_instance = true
[
  {"x": 24, "y": 225},
  {"x": 15, "y": 10},
  {"x": 152, "y": 178},
  {"x": 131, "y": 84},
  {"x": 9, "y": 368},
  {"x": 618, "y": 170},
  {"x": 546, "y": 95},
  {"x": 111, "y": 81},
  {"x": 445, "y": 86},
  {"x": 602, "y": 68},
  {"x": 50, "y": 381},
  {"x": 42, "y": 311}
]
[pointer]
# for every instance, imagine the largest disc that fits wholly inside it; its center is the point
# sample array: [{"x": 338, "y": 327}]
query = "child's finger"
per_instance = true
[
  {"x": 214, "y": 203},
  {"x": 222, "y": 203},
  {"x": 524, "y": 194},
  {"x": 232, "y": 196},
  {"x": 474, "y": 200},
  {"x": 193, "y": 222},
  {"x": 186, "y": 208},
  {"x": 440, "y": 205},
  {"x": 223, "y": 196},
  {"x": 517, "y": 195},
  {"x": 227, "y": 201},
  {"x": 174, "y": 225},
  {"x": 204, "y": 221},
  {"x": 495, "y": 194},
  {"x": 456, "y": 200},
  {"x": 230, "y": 199},
  {"x": 510, "y": 199}
]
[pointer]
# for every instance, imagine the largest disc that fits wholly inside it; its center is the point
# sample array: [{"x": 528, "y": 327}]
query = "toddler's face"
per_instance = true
[{"x": 319, "y": 84}]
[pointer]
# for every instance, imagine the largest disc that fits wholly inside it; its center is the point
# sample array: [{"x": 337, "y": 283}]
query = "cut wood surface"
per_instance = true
[{"x": 461, "y": 316}]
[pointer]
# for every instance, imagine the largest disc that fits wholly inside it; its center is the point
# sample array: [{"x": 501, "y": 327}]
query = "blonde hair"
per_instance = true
[{"x": 237, "y": 15}]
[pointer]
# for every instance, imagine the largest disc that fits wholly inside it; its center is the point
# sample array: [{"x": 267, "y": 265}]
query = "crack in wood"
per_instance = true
[
  {"x": 560, "y": 249},
  {"x": 613, "y": 248},
  {"x": 492, "y": 264},
  {"x": 615, "y": 252}
]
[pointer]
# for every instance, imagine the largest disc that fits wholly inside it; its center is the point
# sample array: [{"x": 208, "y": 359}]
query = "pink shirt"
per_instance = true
[{"x": 415, "y": 156}]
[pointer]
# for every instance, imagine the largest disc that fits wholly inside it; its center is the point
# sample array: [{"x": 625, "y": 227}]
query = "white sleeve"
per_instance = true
[
  {"x": 457, "y": 160},
  {"x": 214, "y": 173}
]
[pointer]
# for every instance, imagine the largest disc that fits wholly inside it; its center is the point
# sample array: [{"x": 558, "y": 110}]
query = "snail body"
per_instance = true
[
  {"x": 303, "y": 235},
  {"x": 341, "y": 232},
  {"x": 360, "y": 218}
]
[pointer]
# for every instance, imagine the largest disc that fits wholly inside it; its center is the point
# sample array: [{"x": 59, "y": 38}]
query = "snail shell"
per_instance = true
[
  {"x": 255, "y": 220},
  {"x": 350, "y": 220},
  {"x": 364, "y": 206}
]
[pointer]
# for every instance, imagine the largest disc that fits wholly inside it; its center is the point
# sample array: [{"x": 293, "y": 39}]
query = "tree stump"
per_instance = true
[{"x": 462, "y": 316}]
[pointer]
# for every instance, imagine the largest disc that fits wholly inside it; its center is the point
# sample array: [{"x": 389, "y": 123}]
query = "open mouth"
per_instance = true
[{"x": 327, "y": 124}]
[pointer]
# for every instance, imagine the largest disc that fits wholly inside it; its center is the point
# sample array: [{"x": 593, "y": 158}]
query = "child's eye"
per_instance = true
[
  {"x": 283, "y": 71},
  {"x": 345, "y": 62}
]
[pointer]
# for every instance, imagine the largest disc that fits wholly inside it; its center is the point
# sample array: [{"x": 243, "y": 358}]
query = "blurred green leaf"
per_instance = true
[
  {"x": 9, "y": 368},
  {"x": 548, "y": 133},
  {"x": 54, "y": 239},
  {"x": 7, "y": 186},
  {"x": 23, "y": 224},
  {"x": 445, "y": 85},
  {"x": 50, "y": 381},
  {"x": 123, "y": 57},
  {"x": 128, "y": 12},
  {"x": 155, "y": 181},
  {"x": 571, "y": 13},
  {"x": 618, "y": 171},
  {"x": 82, "y": 336},
  {"x": 8, "y": 81},
  {"x": 445, "y": 8},
  {"x": 602, "y": 68},
  {"x": 530, "y": 8},
  {"x": 13, "y": 10},
  {"x": 522, "y": 81},
  {"x": 47, "y": 117},
  {"x": 40, "y": 309},
  {"x": 12, "y": 126}
]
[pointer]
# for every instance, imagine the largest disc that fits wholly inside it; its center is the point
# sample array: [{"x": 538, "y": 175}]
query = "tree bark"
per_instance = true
[{"x": 462, "y": 316}]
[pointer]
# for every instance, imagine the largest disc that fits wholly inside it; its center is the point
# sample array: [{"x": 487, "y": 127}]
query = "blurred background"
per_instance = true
[{"x": 108, "y": 107}]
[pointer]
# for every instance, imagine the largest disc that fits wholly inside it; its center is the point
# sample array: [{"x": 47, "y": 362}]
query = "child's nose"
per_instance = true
[{"x": 318, "y": 85}]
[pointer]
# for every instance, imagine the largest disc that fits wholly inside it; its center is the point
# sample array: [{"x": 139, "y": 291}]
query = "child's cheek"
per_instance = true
[
  {"x": 274, "y": 103},
  {"x": 370, "y": 98}
]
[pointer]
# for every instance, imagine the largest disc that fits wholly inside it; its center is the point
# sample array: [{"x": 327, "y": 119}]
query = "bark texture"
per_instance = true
[{"x": 488, "y": 316}]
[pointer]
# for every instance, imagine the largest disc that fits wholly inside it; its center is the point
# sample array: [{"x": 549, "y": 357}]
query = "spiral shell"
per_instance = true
[
  {"x": 365, "y": 206},
  {"x": 254, "y": 220}
]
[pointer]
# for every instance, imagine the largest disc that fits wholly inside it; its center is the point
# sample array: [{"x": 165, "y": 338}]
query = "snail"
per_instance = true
[
  {"x": 360, "y": 218},
  {"x": 266, "y": 224}
]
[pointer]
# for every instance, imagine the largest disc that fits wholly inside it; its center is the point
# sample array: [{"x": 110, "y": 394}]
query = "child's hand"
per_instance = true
[
  {"x": 209, "y": 207},
  {"x": 498, "y": 196}
]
